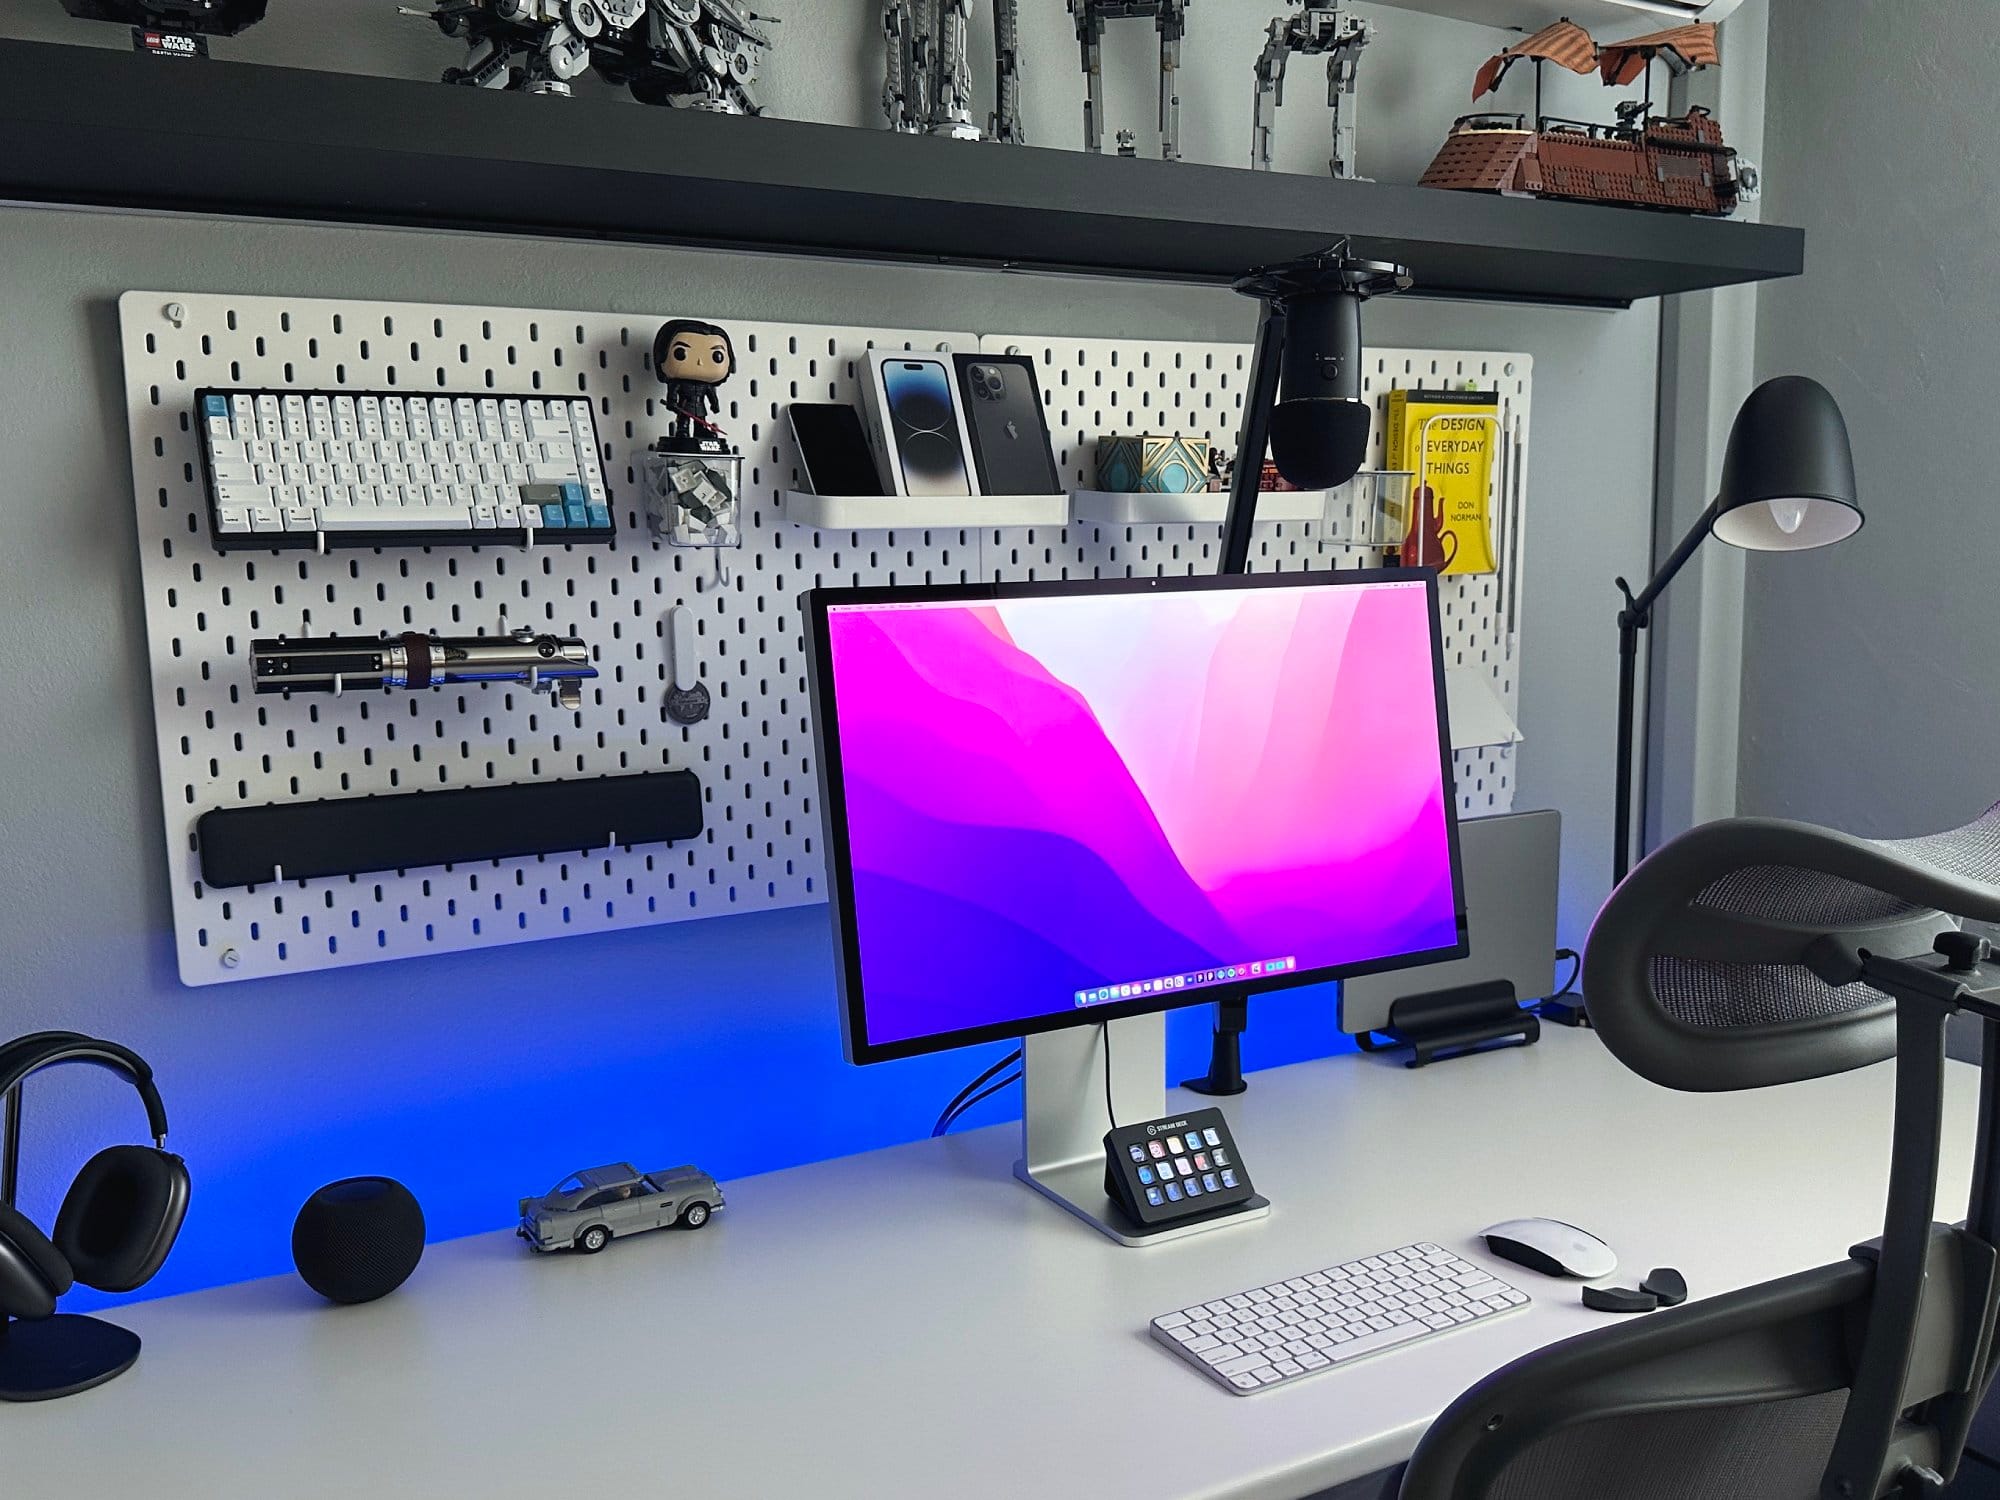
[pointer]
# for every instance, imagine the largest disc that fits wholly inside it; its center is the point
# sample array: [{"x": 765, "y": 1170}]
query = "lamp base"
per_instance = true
[{"x": 54, "y": 1357}]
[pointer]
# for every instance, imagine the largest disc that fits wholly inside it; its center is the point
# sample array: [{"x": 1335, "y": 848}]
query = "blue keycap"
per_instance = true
[
  {"x": 579, "y": 515},
  {"x": 1174, "y": 1191},
  {"x": 573, "y": 495},
  {"x": 1145, "y": 1174},
  {"x": 552, "y": 515},
  {"x": 215, "y": 406},
  {"x": 600, "y": 517}
]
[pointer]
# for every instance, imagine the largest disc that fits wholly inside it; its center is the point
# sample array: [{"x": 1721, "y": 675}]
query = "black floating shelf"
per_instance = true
[{"x": 86, "y": 125}]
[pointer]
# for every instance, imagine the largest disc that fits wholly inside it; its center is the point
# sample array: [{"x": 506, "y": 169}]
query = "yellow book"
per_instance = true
[{"x": 1448, "y": 440}]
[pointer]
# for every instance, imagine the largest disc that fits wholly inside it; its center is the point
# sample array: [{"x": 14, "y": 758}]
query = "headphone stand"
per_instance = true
[{"x": 62, "y": 1355}]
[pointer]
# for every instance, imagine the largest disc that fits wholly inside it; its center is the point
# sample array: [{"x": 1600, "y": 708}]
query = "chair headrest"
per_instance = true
[{"x": 1695, "y": 971}]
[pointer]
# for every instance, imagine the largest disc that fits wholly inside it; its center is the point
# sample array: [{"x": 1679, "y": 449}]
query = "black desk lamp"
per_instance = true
[{"x": 1787, "y": 486}]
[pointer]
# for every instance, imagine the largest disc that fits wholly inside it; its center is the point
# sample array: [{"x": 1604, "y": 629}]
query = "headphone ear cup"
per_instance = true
[
  {"x": 32, "y": 1271},
  {"x": 120, "y": 1216}
]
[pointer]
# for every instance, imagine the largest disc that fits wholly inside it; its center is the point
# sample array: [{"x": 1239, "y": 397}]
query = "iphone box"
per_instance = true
[{"x": 916, "y": 424}]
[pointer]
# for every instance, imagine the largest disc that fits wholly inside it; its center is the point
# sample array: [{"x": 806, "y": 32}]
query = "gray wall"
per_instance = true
[
  {"x": 372, "y": 1065},
  {"x": 1868, "y": 690}
]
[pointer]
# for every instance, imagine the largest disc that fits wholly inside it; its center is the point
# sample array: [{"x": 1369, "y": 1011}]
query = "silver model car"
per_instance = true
[{"x": 586, "y": 1209}]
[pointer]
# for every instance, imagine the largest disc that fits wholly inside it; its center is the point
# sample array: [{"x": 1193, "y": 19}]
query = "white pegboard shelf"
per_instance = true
[
  {"x": 1197, "y": 508},
  {"x": 220, "y": 746},
  {"x": 920, "y": 512}
]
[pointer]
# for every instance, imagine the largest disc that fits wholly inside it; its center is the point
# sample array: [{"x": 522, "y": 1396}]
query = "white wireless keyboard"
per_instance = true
[
  {"x": 317, "y": 469},
  {"x": 1272, "y": 1335}
]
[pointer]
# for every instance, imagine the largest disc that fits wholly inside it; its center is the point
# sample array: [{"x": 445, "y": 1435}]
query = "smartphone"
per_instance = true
[
  {"x": 1010, "y": 439},
  {"x": 833, "y": 449},
  {"x": 923, "y": 431}
]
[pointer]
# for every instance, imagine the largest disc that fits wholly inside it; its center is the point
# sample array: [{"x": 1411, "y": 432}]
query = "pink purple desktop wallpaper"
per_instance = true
[{"x": 1088, "y": 799}]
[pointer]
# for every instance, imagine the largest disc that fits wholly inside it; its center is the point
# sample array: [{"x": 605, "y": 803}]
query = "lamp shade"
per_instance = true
[{"x": 1788, "y": 478}]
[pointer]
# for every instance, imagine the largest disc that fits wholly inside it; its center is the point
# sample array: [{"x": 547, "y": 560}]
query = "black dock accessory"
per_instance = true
[
  {"x": 1456, "y": 1023},
  {"x": 356, "y": 835},
  {"x": 1668, "y": 1285},
  {"x": 1619, "y": 1299}
]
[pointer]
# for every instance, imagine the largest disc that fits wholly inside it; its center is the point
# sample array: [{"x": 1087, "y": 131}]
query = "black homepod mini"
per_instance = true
[{"x": 358, "y": 1239}]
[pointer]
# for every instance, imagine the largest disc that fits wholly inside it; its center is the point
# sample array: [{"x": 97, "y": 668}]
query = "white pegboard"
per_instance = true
[{"x": 220, "y": 746}]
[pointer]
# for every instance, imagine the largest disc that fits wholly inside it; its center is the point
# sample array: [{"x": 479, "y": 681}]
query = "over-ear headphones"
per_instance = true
[{"x": 121, "y": 1215}]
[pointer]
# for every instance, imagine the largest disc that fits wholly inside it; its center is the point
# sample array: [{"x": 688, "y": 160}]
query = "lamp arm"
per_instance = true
[
  {"x": 1633, "y": 618},
  {"x": 1640, "y": 606}
]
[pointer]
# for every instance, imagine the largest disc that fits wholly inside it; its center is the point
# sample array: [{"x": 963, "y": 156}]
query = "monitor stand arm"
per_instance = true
[
  {"x": 1066, "y": 1113},
  {"x": 1225, "y": 1056}
]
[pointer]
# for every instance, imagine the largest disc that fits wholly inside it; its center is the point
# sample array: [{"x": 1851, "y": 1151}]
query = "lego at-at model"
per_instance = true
[
  {"x": 1314, "y": 31},
  {"x": 927, "y": 86},
  {"x": 694, "y": 54},
  {"x": 1169, "y": 18},
  {"x": 1645, "y": 160}
]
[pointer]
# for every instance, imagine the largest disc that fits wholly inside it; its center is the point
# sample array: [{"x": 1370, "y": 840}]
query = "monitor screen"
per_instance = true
[{"x": 1055, "y": 804}]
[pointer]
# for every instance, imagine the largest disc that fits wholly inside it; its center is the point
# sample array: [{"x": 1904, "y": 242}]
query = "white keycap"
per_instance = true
[
  {"x": 232, "y": 518},
  {"x": 300, "y": 518},
  {"x": 266, "y": 518},
  {"x": 270, "y": 426},
  {"x": 239, "y": 496},
  {"x": 408, "y": 518}
]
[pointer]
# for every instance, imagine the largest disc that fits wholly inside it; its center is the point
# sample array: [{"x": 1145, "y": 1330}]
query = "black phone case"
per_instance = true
[{"x": 1010, "y": 437}]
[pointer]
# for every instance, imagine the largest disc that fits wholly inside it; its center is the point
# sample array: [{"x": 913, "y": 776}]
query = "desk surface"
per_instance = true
[{"x": 916, "y": 1322}]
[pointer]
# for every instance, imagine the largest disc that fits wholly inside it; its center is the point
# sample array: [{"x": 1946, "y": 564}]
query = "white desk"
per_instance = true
[{"x": 916, "y": 1322}]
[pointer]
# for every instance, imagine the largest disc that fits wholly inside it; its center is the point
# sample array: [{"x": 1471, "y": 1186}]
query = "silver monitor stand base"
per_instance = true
[{"x": 1066, "y": 1115}]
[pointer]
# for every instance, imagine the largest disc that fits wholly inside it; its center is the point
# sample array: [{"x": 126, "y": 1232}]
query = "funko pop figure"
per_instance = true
[
  {"x": 692, "y": 476},
  {"x": 692, "y": 359}
]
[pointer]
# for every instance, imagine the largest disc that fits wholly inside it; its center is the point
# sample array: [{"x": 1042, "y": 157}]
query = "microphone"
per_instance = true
[
  {"x": 1319, "y": 424},
  {"x": 1319, "y": 427}
]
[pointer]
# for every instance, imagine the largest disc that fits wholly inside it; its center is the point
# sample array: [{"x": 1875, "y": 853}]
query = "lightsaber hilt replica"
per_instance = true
[{"x": 554, "y": 664}]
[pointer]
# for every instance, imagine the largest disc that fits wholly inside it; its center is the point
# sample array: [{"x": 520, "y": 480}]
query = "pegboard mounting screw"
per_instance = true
[
  {"x": 174, "y": 313},
  {"x": 231, "y": 958}
]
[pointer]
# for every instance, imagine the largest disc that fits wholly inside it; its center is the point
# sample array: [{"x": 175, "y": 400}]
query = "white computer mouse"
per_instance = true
[{"x": 1551, "y": 1247}]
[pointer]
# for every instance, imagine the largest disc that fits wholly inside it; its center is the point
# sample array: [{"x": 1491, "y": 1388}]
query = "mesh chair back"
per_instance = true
[
  {"x": 1696, "y": 971},
  {"x": 1736, "y": 1397}
]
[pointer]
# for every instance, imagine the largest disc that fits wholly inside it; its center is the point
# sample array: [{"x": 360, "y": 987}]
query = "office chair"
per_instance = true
[{"x": 1748, "y": 953}]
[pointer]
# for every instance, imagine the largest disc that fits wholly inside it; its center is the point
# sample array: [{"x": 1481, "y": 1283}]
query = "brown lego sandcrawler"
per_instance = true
[{"x": 1679, "y": 163}]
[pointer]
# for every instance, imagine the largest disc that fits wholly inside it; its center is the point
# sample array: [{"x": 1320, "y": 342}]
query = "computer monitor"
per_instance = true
[{"x": 1053, "y": 804}]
